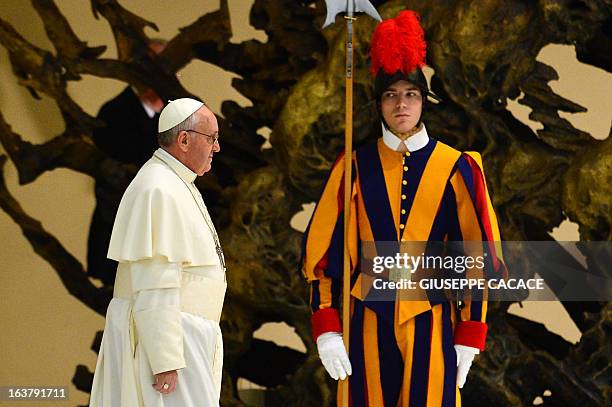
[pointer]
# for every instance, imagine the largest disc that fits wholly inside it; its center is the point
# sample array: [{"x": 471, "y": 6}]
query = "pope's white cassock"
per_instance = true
[{"x": 168, "y": 295}]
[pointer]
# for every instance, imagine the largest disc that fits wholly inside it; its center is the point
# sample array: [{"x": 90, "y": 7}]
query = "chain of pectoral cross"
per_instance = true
[
  {"x": 211, "y": 226},
  {"x": 207, "y": 220}
]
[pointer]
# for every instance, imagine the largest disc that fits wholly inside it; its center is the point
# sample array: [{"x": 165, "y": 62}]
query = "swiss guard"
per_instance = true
[{"x": 407, "y": 187}]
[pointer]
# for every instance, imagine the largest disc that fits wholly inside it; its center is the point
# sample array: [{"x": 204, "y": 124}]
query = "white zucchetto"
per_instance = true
[{"x": 176, "y": 111}]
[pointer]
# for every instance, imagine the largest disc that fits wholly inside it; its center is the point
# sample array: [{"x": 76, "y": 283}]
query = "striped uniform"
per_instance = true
[{"x": 402, "y": 352}]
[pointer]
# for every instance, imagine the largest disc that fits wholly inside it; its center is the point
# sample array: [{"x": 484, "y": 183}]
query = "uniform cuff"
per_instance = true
[
  {"x": 325, "y": 320},
  {"x": 471, "y": 333}
]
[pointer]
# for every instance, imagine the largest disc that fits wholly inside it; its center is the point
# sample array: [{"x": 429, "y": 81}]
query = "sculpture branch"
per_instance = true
[
  {"x": 40, "y": 71},
  {"x": 49, "y": 248},
  {"x": 212, "y": 28},
  {"x": 128, "y": 28},
  {"x": 61, "y": 34},
  {"x": 67, "y": 151}
]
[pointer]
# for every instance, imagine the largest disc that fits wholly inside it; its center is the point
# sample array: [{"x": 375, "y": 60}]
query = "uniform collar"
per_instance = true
[
  {"x": 185, "y": 173},
  {"x": 413, "y": 143}
]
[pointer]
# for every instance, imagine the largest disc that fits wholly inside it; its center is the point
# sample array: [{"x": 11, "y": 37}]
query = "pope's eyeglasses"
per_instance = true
[{"x": 213, "y": 137}]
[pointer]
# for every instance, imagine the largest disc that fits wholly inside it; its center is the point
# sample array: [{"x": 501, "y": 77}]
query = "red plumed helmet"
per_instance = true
[{"x": 398, "y": 44}]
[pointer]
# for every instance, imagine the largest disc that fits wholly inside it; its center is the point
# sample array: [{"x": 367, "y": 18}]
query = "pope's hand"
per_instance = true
[
  {"x": 165, "y": 382},
  {"x": 465, "y": 356},
  {"x": 333, "y": 355}
]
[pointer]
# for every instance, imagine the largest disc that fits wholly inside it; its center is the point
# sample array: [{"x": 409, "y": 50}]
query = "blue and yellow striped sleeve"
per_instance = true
[{"x": 322, "y": 252}]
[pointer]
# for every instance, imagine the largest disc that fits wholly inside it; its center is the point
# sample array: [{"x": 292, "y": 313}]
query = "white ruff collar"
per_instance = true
[{"x": 413, "y": 143}]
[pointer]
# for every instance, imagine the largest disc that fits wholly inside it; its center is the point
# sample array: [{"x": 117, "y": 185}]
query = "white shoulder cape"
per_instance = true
[{"x": 158, "y": 216}]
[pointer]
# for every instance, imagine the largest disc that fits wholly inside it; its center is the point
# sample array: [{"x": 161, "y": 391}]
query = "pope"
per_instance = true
[{"x": 162, "y": 343}]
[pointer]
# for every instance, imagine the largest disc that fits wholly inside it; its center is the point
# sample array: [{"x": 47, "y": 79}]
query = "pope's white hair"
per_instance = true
[{"x": 166, "y": 138}]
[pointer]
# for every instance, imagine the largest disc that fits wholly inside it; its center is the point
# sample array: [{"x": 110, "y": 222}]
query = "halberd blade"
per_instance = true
[{"x": 334, "y": 7}]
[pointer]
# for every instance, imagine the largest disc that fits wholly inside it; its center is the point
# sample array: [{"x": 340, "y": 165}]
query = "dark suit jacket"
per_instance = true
[{"x": 129, "y": 136}]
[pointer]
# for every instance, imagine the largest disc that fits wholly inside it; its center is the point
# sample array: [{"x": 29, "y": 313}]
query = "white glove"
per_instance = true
[
  {"x": 333, "y": 355},
  {"x": 465, "y": 356}
]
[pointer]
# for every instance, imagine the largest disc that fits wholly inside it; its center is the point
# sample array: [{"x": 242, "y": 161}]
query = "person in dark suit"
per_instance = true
[{"x": 130, "y": 137}]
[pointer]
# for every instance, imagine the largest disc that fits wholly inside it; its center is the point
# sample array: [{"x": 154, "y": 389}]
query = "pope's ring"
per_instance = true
[{"x": 166, "y": 386}]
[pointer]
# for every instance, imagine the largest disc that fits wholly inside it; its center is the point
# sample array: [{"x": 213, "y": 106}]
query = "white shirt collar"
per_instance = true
[
  {"x": 413, "y": 143},
  {"x": 148, "y": 109},
  {"x": 185, "y": 173},
  {"x": 150, "y": 112}
]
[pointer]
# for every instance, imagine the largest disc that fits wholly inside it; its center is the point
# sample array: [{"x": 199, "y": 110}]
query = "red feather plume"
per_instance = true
[{"x": 398, "y": 44}]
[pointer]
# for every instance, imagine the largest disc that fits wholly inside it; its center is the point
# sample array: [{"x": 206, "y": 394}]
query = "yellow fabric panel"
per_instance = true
[
  {"x": 365, "y": 234},
  {"x": 466, "y": 312},
  {"x": 365, "y": 230},
  {"x": 468, "y": 219},
  {"x": 323, "y": 222},
  {"x": 353, "y": 239},
  {"x": 436, "y": 361},
  {"x": 470, "y": 230},
  {"x": 404, "y": 335},
  {"x": 325, "y": 294},
  {"x": 405, "y": 339},
  {"x": 458, "y": 397},
  {"x": 423, "y": 213},
  {"x": 484, "y": 305},
  {"x": 371, "y": 359},
  {"x": 431, "y": 188},
  {"x": 392, "y": 169}
]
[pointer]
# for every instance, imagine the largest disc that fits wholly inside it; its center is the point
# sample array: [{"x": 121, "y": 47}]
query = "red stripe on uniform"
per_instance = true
[{"x": 480, "y": 193}]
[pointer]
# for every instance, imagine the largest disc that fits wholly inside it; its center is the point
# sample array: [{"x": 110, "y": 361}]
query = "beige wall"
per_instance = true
[{"x": 44, "y": 332}]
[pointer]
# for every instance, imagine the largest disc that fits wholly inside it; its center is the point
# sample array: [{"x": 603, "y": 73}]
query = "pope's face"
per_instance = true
[
  {"x": 202, "y": 146},
  {"x": 401, "y": 105}
]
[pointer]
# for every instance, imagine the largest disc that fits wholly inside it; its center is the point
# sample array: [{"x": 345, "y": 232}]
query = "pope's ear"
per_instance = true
[{"x": 182, "y": 140}]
